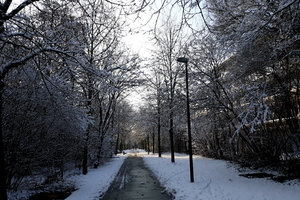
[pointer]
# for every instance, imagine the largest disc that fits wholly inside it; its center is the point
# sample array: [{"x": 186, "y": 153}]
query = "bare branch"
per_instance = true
[
  {"x": 6, "y": 68},
  {"x": 18, "y": 9}
]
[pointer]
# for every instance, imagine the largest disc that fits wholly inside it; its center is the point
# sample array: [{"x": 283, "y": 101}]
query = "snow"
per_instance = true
[
  {"x": 97, "y": 181},
  {"x": 214, "y": 179}
]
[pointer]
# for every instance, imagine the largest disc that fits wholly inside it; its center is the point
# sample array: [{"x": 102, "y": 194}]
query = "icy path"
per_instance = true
[
  {"x": 134, "y": 181},
  {"x": 215, "y": 180}
]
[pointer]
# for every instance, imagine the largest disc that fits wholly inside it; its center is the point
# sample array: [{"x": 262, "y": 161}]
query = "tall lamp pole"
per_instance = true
[{"x": 186, "y": 60}]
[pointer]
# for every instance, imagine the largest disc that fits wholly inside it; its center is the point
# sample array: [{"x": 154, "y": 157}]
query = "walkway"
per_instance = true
[{"x": 135, "y": 182}]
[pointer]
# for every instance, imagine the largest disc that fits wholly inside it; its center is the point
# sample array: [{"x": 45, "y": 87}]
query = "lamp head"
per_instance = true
[{"x": 183, "y": 60}]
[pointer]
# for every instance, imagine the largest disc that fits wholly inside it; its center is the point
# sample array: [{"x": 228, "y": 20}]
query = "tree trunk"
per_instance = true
[
  {"x": 3, "y": 187},
  {"x": 148, "y": 144},
  {"x": 171, "y": 132},
  {"x": 117, "y": 142},
  {"x": 85, "y": 159},
  {"x": 153, "y": 141},
  {"x": 158, "y": 133}
]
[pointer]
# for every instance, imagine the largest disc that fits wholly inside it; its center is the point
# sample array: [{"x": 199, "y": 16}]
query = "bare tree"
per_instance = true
[{"x": 170, "y": 45}]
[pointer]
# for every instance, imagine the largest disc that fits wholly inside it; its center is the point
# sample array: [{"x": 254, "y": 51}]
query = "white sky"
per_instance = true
[
  {"x": 138, "y": 35},
  {"x": 139, "y": 43},
  {"x": 138, "y": 39}
]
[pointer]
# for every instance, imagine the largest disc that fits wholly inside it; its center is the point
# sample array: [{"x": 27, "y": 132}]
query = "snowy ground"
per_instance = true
[
  {"x": 97, "y": 181},
  {"x": 215, "y": 180}
]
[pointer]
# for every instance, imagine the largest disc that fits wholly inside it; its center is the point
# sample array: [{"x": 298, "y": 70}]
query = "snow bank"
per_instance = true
[
  {"x": 97, "y": 181},
  {"x": 215, "y": 179}
]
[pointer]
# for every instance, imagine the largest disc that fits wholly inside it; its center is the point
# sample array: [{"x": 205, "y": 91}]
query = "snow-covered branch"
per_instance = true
[
  {"x": 17, "y": 9},
  {"x": 7, "y": 67}
]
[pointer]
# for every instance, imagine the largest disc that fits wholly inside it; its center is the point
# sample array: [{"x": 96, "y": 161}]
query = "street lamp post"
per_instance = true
[{"x": 185, "y": 60}]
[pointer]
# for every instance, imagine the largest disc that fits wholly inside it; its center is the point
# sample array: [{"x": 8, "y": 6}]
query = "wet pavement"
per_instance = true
[{"x": 135, "y": 182}]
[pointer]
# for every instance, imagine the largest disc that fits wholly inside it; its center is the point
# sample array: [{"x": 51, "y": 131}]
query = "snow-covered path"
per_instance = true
[{"x": 215, "y": 180}]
